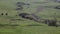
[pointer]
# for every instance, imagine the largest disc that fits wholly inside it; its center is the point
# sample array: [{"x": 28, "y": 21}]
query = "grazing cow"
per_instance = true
[
  {"x": 20, "y": 3},
  {"x": 57, "y": 7},
  {"x": 6, "y": 14},
  {"x": 19, "y": 8},
  {"x": 29, "y": 16},
  {"x": 2, "y": 14},
  {"x": 52, "y": 22},
  {"x": 23, "y": 15}
]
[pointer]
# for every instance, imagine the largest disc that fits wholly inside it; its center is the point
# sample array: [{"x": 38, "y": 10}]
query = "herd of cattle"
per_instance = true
[
  {"x": 35, "y": 18},
  {"x": 21, "y": 4}
]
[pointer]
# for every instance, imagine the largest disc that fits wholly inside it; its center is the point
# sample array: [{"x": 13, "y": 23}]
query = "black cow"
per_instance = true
[
  {"x": 20, "y": 3},
  {"x": 6, "y": 14},
  {"x": 19, "y": 8},
  {"x": 23, "y": 15},
  {"x": 29, "y": 16},
  {"x": 50, "y": 22},
  {"x": 57, "y": 7}
]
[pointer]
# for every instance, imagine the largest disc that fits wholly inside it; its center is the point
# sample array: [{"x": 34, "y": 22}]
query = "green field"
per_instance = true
[{"x": 9, "y": 6}]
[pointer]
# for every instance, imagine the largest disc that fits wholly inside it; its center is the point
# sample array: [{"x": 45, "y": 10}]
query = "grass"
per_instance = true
[{"x": 27, "y": 26}]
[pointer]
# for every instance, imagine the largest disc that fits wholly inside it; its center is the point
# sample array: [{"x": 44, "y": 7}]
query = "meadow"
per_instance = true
[{"x": 26, "y": 26}]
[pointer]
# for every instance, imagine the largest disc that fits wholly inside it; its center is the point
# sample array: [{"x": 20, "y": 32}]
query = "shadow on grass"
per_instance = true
[
  {"x": 16, "y": 19},
  {"x": 3, "y": 25},
  {"x": 34, "y": 25},
  {"x": 14, "y": 25}
]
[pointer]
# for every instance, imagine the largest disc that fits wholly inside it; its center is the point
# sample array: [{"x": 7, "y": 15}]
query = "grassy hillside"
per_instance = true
[{"x": 25, "y": 25}]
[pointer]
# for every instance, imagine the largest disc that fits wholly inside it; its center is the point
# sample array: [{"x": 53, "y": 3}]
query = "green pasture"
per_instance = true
[{"x": 9, "y": 6}]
